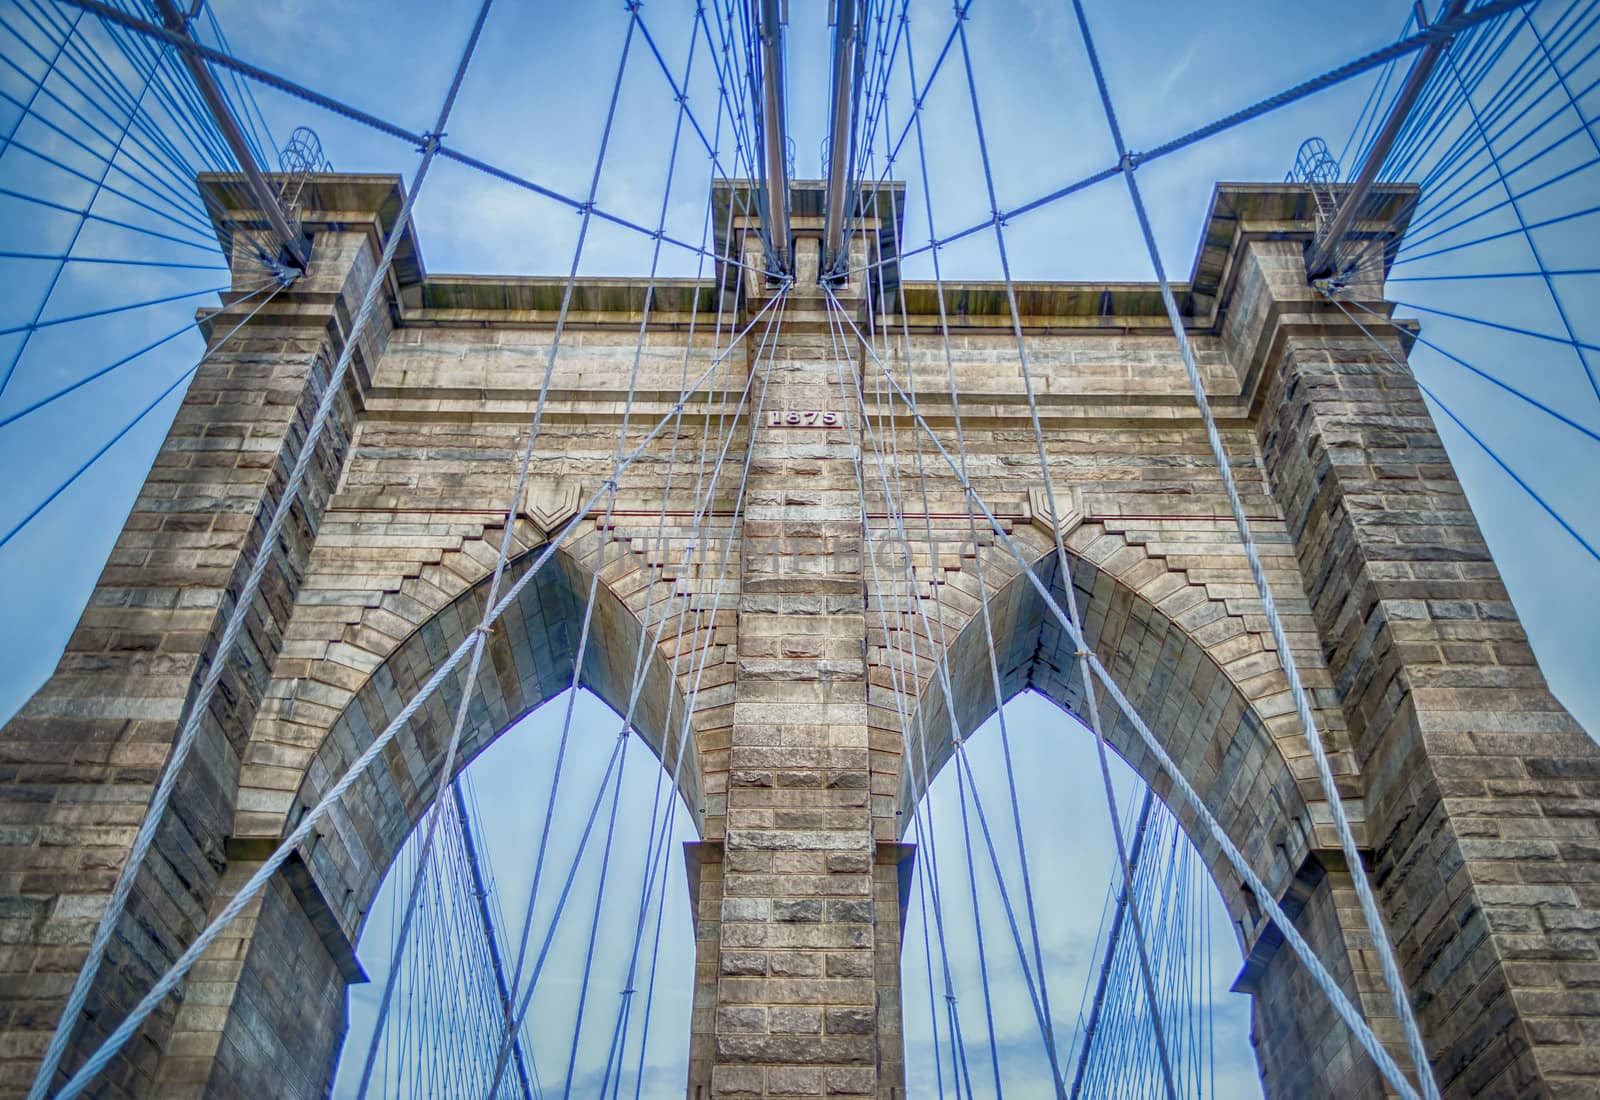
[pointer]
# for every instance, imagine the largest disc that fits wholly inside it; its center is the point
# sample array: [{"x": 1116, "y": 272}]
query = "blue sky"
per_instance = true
[{"x": 533, "y": 103}]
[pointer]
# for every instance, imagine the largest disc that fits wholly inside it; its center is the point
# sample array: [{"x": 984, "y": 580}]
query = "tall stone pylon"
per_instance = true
[{"x": 814, "y": 689}]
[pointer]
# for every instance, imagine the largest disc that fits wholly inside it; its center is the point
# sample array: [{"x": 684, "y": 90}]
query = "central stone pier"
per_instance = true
[{"x": 798, "y": 991}]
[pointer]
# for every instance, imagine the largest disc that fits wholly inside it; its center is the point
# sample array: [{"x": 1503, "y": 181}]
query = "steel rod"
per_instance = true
[
  {"x": 844, "y": 47},
  {"x": 775, "y": 137},
  {"x": 1319, "y": 261},
  {"x": 266, "y": 199}
]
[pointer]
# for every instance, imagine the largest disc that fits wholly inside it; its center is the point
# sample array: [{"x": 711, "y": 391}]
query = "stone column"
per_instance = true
[
  {"x": 790, "y": 921},
  {"x": 1481, "y": 791},
  {"x": 83, "y": 756}
]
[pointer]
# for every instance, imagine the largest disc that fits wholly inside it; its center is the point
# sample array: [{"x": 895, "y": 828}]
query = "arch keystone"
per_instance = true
[
  {"x": 1069, "y": 503},
  {"x": 551, "y": 506}
]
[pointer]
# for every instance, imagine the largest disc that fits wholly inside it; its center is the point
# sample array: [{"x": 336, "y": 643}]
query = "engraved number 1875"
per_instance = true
[{"x": 802, "y": 418}]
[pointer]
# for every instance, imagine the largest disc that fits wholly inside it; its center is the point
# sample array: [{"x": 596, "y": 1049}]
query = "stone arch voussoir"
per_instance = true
[
  {"x": 347, "y": 674},
  {"x": 1169, "y": 607}
]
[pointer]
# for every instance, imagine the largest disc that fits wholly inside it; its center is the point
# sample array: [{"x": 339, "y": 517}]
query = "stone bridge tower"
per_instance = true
[{"x": 1474, "y": 793}]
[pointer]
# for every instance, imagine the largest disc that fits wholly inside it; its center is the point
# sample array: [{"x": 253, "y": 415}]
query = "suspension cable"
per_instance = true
[
  {"x": 1369, "y": 904},
  {"x": 481, "y": 634},
  {"x": 1212, "y": 828},
  {"x": 200, "y": 708},
  {"x": 1064, "y": 566}
]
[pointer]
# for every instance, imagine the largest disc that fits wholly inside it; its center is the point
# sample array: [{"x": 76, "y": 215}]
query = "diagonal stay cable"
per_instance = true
[
  {"x": 700, "y": 664},
  {"x": 133, "y": 422},
  {"x": 481, "y": 632},
  {"x": 354, "y": 114},
  {"x": 77, "y": 230},
  {"x": 1064, "y": 565},
  {"x": 1037, "y": 995},
  {"x": 903, "y": 676},
  {"x": 71, "y": 387},
  {"x": 1329, "y": 79},
  {"x": 158, "y": 189},
  {"x": 1369, "y": 903},
  {"x": 200, "y": 707},
  {"x": 50, "y": 67},
  {"x": 209, "y": 246},
  {"x": 700, "y": 525},
  {"x": 1493, "y": 380},
  {"x": 1212, "y": 829},
  {"x": 113, "y": 310},
  {"x": 1472, "y": 435}
]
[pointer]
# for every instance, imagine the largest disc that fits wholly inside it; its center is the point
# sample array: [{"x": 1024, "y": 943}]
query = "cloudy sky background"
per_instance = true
[{"x": 534, "y": 102}]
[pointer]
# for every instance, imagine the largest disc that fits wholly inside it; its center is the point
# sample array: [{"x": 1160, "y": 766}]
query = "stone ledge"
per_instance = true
[{"x": 297, "y": 873}]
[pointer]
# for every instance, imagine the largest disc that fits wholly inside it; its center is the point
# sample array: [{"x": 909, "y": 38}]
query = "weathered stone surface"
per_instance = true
[{"x": 812, "y": 637}]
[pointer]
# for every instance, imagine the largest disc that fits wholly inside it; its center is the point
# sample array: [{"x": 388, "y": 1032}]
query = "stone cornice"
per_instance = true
[{"x": 1240, "y": 213}]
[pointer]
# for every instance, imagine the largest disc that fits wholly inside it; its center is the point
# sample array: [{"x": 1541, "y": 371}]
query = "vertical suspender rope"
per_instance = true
[
  {"x": 1065, "y": 566},
  {"x": 507, "y": 540},
  {"x": 200, "y": 708},
  {"x": 1369, "y": 904},
  {"x": 1182, "y": 788}
]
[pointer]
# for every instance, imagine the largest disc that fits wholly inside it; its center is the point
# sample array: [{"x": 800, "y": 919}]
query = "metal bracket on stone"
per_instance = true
[
  {"x": 1069, "y": 502},
  {"x": 550, "y": 507}
]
